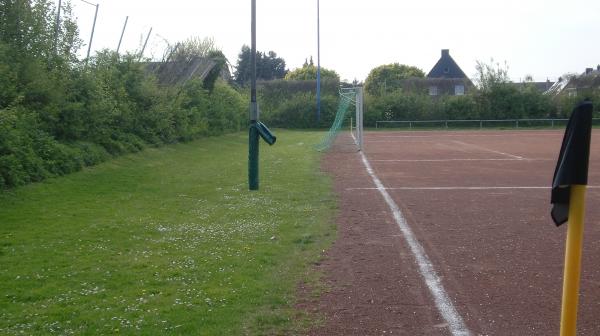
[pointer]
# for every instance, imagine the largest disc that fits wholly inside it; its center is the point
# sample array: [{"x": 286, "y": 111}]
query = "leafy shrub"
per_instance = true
[
  {"x": 58, "y": 115},
  {"x": 292, "y": 103},
  {"x": 502, "y": 101},
  {"x": 91, "y": 153}
]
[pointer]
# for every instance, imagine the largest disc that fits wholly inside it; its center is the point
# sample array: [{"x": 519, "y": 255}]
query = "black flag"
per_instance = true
[{"x": 572, "y": 165}]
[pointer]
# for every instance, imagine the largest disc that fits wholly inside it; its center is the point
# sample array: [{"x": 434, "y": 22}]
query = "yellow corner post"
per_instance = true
[{"x": 570, "y": 298}]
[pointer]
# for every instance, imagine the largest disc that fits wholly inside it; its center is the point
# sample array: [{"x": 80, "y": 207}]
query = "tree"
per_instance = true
[
  {"x": 388, "y": 77},
  {"x": 191, "y": 48},
  {"x": 498, "y": 98},
  {"x": 220, "y": 62},
  {"x": 490, "y": 75},
  {"x": 309, "y": 72},
  {"x": 268, "y": 66}
]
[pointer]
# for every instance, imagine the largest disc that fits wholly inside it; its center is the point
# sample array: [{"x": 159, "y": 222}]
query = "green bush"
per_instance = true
[
  {"x": 58, "y": 115},
  {"x": 20, "y": 162},
  {"x": 299, "y": 111},
  {"x": 502, "y": 101},
  {"x": 82, "y": 116},
  {"x": 460, "y": 107},
  {"x": 91, "y": 153},
  {"x": 400, "y": 106},
  {"x": 12, "y": 171},
  {"x": 292, "y": 103}
]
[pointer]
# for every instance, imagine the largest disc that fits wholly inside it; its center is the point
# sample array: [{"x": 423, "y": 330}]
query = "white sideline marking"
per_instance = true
[
  {"x": 449, "y": 160},
  {"x": 441, "y": 298},
  {"x": 430, "y": 135},
  {"x": 489, "y": 150},
  {"x": 450, "y": 188},
  {"x": 461, "y": 188}
]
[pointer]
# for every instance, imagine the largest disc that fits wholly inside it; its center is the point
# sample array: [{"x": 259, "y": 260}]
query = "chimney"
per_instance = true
[
  {"x": 445, "y": 52},
  {"x": 598, "y": 67},
  {"x": 588, "y": 70}
]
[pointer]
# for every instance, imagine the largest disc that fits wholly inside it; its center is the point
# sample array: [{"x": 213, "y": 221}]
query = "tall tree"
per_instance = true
[
  {"x": 388, "y": 77},
  {"x": 490, "y": 75},
  {"x": 192, "y": 47},
  {"x": 268, "y": 66},
  {"x": 28, "y": 26},
  {"x": 309, "y": 72}
]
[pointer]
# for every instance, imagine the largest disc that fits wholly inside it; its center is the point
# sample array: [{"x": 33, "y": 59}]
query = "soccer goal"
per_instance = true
[{"x": 348, "y": 97}]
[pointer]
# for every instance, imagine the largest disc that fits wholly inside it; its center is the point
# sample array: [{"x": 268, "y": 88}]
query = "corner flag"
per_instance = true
[
  {"x": 568, "y": 198},
  {"x": 572, "y": 166}
]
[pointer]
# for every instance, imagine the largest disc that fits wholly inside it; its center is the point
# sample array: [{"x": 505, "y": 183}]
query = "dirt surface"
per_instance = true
[{"x": 478, "y": 203}]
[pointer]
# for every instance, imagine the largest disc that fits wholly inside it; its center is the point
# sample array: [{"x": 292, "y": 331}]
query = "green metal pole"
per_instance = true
[
  {"x": 253, "y": 157},
  {"x": 253, "y": 132}
]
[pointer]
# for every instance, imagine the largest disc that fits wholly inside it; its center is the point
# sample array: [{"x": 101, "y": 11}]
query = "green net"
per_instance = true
[{"x": 347, "y": 98}]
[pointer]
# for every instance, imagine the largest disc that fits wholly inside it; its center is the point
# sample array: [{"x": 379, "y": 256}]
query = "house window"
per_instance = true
[
  {"x": 433, "y": 90},
  {"x": 446, "y": 70},
  {"x": 459, "y": 90}
]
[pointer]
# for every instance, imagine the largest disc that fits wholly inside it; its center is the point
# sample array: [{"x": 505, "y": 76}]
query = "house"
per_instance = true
[
  {"x": 447, "y": 78},
  {"x": 539, "y": 86},
  {"x": 587, "y": 83}
]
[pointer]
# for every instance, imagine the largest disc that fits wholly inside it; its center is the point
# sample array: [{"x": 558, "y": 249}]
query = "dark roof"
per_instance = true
[
  {"x": 586, "y": 81},
  {"x": 446, "y": 67},
  {"x": 176, "y": 72},
  {"x": 540, "y": 86}
]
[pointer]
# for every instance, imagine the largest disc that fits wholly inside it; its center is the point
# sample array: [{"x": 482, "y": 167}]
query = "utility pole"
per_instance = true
[
  {"x": 145, "y": 43},
  {"x": 57, "y": 27},
  {"x": 122, "y": 32},
  {"x": 93, "y": 28},
  {"x": 318, "y": 65}
]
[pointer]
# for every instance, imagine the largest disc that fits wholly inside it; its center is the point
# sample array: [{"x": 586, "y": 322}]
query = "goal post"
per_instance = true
[
  {"x": 358, "y": 138},
  {"x": 348, "y": 96}
]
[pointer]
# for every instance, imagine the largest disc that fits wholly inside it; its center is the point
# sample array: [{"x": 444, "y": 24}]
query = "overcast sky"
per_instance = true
[{"x": 542, "y": 38}]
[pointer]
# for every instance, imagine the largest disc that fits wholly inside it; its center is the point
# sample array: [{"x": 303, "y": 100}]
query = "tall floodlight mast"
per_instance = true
[{"x": 318, "y": 65}]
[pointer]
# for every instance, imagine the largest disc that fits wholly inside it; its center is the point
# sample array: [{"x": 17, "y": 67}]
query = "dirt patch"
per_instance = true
[{"x": 371, "y": 280}]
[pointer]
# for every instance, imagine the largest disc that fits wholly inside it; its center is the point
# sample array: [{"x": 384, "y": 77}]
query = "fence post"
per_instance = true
[
  {"x": 517, "y": 123},
  {"x": 480, "y": 124}
]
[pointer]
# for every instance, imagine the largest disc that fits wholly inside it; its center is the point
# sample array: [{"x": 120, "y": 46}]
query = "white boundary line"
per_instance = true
[
  {"x": 450, "y": 160},
  {"x": 487, "y": 149},
  {"x": 441, "y": 298},
  {"x": 446, "y": 135},
  {"x": 462, "y": 188}
]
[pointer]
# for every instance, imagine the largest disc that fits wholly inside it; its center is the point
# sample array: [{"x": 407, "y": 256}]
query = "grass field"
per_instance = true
[{"x": 168, "y": 241}]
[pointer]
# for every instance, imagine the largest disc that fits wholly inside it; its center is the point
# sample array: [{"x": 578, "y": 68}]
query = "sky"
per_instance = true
[{"x": 541, "y": 38}]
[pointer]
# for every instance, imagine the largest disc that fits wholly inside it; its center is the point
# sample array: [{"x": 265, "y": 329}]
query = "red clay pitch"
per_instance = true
[{"x": 478, "y": 203}]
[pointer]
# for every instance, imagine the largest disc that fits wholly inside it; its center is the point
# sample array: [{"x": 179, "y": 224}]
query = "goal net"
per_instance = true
[{"x": 348, "y": 97}]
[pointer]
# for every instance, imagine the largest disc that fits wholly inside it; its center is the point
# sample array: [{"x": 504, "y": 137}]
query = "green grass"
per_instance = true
[{"x": 167, "y": 241}]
